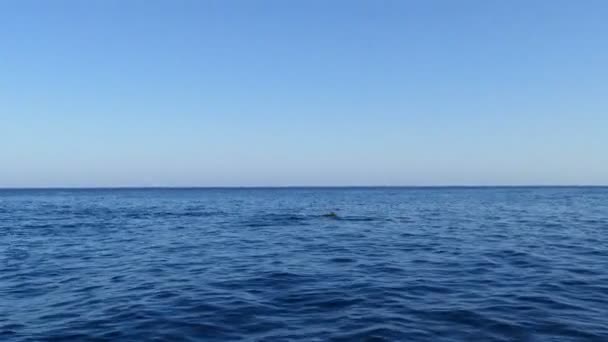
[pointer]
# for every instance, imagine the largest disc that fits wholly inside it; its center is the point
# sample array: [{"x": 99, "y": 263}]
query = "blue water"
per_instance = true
[{"x": 396, "y": 264}]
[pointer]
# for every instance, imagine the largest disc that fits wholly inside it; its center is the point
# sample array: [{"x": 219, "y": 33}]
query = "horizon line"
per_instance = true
[{"x": 236, "y": 187}]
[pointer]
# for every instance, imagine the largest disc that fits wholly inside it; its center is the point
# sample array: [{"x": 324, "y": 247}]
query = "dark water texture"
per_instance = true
[{"x": 395, "y": 264}]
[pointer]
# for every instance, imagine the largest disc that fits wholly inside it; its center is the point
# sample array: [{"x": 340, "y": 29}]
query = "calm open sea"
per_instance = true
[{"x": 395, "y": 264}]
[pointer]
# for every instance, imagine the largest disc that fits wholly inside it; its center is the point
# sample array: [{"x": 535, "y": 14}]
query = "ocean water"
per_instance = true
[{"x": 395, "y": 264}]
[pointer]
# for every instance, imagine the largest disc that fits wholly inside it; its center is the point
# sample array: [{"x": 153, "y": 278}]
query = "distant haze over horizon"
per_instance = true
[{"x": 303, "y": 93}]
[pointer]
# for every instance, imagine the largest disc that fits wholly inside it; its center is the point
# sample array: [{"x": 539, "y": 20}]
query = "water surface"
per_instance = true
[{"x": 395, "y": 264}]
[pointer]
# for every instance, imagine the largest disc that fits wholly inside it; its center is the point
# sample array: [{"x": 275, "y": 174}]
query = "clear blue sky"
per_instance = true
[{"x": 315, "y": 92}]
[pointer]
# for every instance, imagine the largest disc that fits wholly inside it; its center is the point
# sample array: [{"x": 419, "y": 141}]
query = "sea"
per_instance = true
[{"x": 304, "y": 264}]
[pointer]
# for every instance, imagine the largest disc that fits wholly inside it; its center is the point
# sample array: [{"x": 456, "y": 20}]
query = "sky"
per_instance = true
[{"x": 295, "y": 93}]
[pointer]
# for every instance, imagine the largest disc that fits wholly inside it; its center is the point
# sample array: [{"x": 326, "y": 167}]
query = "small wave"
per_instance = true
[
  {"x": 272, "y": 220},
  {"x": 342, "y": 260},
  {"x": 335, "y": 216},
  {"x": 16, "y": 254},
  {"x": 361, "y": 219}
]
